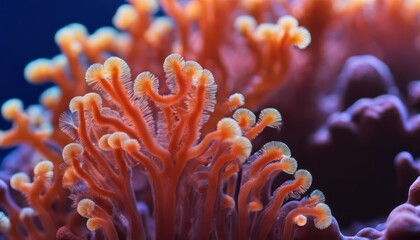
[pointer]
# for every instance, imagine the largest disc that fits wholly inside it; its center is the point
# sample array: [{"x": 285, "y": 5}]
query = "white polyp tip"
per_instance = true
[
  {"x": 43, "y": 168},
  {"x": 60, "y": 60},
  {"x": 237, "y": 99},
  {"x": 18, "y": 179},
  {"x": 242, "y": 147},
  {"x": 159, "y": 27},
  {"x": 131, "y": 145},
  {"x": 103, "y": 142},
  {"x": 192, "y": 69},
  {"x": 325, "y": 219},
  {"x": 85, "y": 207},
  {"x": 93, "y": 98},
  {"x": 125, "y": 17},
  {"x": 265, "y": 30},
  {"x": 72, "y": 151},
  {"x": 228, "y": 128},
  {"x": 5, "y": 223},
  {"x": 117, "y": 66},
  {"x": 173, "y": 61},
  {"x": 26, "y": 212},
  {"x": 291, "y": 165},
  {"x": 305, "y": 177},
  {"x": 11, "y": 109},
  {"x": 76, "y": 103},
  {"x": 281, "y": 147},
  {"x": 38, "y": 70},
  {"x": 245, "y": 23},
  {"x": 93, "y": 223},
  {"x": 102, "y": 37},
  {"x": 79, "y": 30},
  {"x": 272, "y": 116},
  {"x": 69, "y": 34},
  {"x": 150, "y": 6},
  {"x": 145, "y": 82},
  {"x": 300, "y": 220},
  {"x": 318, "y": 195},
  {"x": 94, "y": 73},
  {"x": 244, "y": 117},
  {"x": 287, "y": 22},
  {"x": 206, "y": 78},
  {"x": 69, "y": 178},
  {"x": 50, "y": 97},
  {"x": 117, "y": 139},
  {"x": 303, "y": 38}
]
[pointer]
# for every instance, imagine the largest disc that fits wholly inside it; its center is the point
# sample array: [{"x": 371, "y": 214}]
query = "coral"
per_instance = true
[
  {"x": 179, "y": 153},
  {"x": 130, "y": 128}
]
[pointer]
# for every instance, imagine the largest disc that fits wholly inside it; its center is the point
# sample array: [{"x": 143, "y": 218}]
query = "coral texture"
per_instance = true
[{"x": 149, "y": 131}]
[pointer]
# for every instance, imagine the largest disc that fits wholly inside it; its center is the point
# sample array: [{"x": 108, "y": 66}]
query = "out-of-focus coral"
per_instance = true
[{"x": 157, "y": 157}]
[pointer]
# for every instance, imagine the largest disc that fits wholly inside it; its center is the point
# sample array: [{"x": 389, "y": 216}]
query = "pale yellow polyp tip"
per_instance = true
[
  {"x": 38, "y": 71},
  {"x": 12, "y": 109},
  {"x": 131, "y": 145},
  {"x": 93, "y": 98},
  {"x": 72, "y": 151},
  {"x": 305, "y": 178},
  {"x": 95, "y": 73},
  {"x": 144, "y": 83},
  {"x": 50, "y": 97},
  {"x": 93, "y": 223},
  {"x": 281, "y": 148},
  {"x": 150, "y": 6},
  {"x": 265, "y": 31},
  {"x": 242, "y": 148},
  {"x": 76, "y": 103},
  {"x": 172, "y": 63},
  {"x": 245, "y": 23},
  {"x": 300, "y": 220},
  {"x": 192, "y": 69},
  {"x": 228, "y": 128},
  {"x": 206, "y": 78},
  {"x": 69, "y": 177},
  {"x": 324, "y": 219},
  {"x": 18, "y": 179},
  {"x": 103, "y": 142},
  {"x": 43, "y": 168},
  {"x": 302, "y": 38},
  {"x": 70, "y": 34},
  {"x": 5, "y": 223},
  {"x": 287, "y": 22},
  {"x": 125, "y": 17},
  {"x": 271, "y": 116},
  {"x": 59, "y": 60},
  {"x": 116, "y": 67},
  {"x": 290, "y": 165},
  {"x": 318, "y": 195},
  {"x": 117, "y": 139},
  {"x": 85, "y": 207},
  {"x": 237, "y": 99},
  {"x": 245, "y": 118}
]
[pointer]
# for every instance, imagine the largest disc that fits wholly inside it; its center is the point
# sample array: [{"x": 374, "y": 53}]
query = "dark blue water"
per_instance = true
[{"x": 27, "y": 31}]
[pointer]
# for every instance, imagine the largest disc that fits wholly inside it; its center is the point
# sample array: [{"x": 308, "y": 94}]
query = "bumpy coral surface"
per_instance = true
[{"x": 149, "y": 131}]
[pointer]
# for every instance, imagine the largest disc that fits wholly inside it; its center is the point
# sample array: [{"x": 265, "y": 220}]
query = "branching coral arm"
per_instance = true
[{"x": 302, "y": 182}]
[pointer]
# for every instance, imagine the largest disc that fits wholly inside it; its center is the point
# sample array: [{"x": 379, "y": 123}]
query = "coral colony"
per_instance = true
[{"x": 149, "y": 131}]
